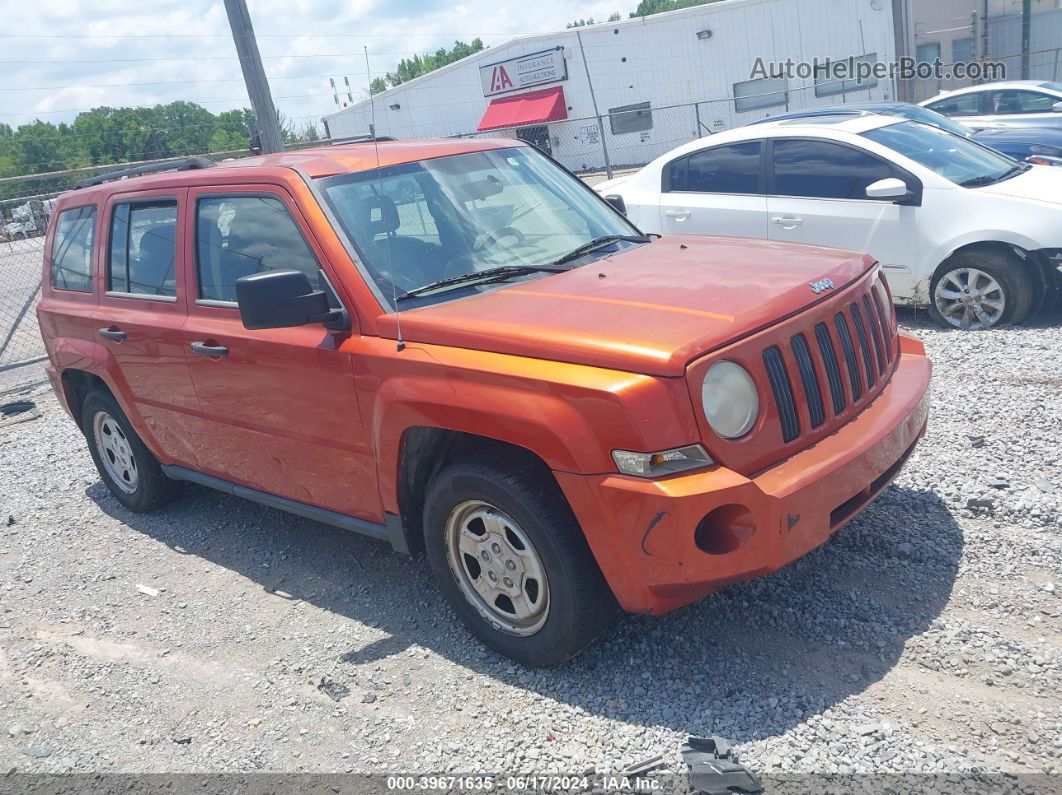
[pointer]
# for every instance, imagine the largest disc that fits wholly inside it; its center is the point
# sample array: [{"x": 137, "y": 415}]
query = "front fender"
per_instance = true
[{"x": 570, "y": 416}]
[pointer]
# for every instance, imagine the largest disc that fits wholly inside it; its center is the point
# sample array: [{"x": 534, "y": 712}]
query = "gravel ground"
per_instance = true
[{"x": 923, "y": 637}]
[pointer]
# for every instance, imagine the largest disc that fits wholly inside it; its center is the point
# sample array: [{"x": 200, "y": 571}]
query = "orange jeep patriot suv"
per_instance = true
[{"x": 456, "y": 346}]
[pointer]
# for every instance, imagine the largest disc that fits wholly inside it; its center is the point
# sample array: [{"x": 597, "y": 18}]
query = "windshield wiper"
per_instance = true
[
  {"x": 598, "y": 242},
  {"x": 474, "y": 277},
  {"x": 979, "y": 182}
]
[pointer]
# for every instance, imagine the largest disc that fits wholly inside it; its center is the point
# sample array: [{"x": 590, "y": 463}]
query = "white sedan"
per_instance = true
[{"x": 959, "y": 228}]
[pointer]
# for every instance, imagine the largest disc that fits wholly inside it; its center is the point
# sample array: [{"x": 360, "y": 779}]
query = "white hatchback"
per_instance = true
[{"x": 959, "y": 228}]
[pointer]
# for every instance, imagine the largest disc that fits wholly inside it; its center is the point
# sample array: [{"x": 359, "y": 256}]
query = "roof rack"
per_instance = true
[
  {"x": 182, "y": 164},
  {"x": 360, "y": 139}
]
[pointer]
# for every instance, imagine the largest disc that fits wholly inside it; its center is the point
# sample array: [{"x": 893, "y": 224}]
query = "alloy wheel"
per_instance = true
[{"x": 968, "y": 298}]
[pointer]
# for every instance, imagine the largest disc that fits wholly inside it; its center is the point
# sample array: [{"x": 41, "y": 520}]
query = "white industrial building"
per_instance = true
[{"x": 654, "y": 81}]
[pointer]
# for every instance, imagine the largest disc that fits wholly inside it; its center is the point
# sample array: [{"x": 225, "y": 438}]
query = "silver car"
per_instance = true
[{"x": 1014, "y": 103}]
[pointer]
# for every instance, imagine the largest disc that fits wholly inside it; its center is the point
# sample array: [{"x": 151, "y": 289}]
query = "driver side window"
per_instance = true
[{"x": 240, "y": 235}]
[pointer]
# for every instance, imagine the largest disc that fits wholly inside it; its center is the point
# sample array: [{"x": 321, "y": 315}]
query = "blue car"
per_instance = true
[{"x": 1039, "y": 145}]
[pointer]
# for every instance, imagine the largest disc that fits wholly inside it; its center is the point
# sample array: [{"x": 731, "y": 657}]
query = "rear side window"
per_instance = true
[
  {"x": 824, "y": 170},
  {"x": 965, "y": 105},
  {"x": 240, "y": 235},
  {"x": 725, "y": 169},
  {"x": 72, "y": 249},
  {"x": 1007, "y": 102},
  {"x": 143, "y": 254}
]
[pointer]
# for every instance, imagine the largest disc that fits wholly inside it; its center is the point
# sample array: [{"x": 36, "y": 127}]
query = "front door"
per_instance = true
[
  {"x": 279, "y": 407},
  {"x": 817, "y": 194},
  {"x": 716, "y": 191}
]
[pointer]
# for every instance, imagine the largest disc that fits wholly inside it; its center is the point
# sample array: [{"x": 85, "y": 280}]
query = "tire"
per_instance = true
[
  {"x": 126, "y": 466},
  {"x": 993, "y": 277},
  {"x": 560, "y": 587}
]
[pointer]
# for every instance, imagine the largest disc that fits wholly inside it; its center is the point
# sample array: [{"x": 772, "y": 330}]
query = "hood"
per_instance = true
[
  {"x": 611, "y": 185},
  {"x": 650, "y": 309},
  {"x": 1024, "y": 135},
  {"x": 1040, "y": 183}
]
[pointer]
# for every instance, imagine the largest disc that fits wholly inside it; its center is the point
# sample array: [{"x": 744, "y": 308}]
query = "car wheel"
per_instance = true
[
  {"x": 511, "y": 561},
  {"x": 126, "y": 466},
  {"x": 980, "y": 290}
]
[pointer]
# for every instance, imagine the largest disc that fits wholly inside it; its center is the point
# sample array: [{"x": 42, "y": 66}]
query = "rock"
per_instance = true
[
  {"x": 147, "y": 590},
  {"x": 999, "y": 483},
  {"x": 1044, "y": 485},
  {"x": 865, "y": 729},
  {"x": 37, "y": 751},
  {"x": 984, "y": 503},
  {"x": 183, "y": 739},
  {"x": 368, "y": 698}
]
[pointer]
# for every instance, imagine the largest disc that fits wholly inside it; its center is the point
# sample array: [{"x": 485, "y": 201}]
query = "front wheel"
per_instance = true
[
  {"x": 980, "y": 290},
  {"x": 512, "y": 562}
]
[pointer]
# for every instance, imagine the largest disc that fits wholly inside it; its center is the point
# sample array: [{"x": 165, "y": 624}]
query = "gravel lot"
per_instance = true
[{"x": 924, "y": 637}]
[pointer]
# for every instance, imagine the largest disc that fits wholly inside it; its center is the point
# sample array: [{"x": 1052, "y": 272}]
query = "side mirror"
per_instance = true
[
  {"x": 282, "y": 299},
  {"x": 617, "y": 203},
  {"x": 1057, "y": 107},
  {"x": 890, "y": 188}
]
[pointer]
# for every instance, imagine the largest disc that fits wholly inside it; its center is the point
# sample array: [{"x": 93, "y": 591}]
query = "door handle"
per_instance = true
[
  {"x": 678, "y": 215},
  {"x": 113, "y": 334},
  {"x": 787, "y": 221},
  {"x": 203, "y": 349}
]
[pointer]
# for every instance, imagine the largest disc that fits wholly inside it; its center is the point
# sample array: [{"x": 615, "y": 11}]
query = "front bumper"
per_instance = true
[{"x": 642, "y": 532}]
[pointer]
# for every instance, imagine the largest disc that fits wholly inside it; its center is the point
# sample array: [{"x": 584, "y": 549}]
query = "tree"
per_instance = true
[
  {"x": 377, "y": 85},
  {"x": 647, "y": 8},
  {"x": 411, "y": 68}
]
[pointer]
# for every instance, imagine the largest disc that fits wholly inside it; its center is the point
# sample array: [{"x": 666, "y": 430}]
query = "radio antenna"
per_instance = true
[{"x": 380, "y": 197}]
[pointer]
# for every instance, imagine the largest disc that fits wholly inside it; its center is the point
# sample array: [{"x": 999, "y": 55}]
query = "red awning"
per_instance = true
[{"x": 534, "y": 107}]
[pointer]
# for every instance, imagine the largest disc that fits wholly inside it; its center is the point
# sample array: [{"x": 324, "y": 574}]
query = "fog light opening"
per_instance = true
[{"x": 724, "y": 529}]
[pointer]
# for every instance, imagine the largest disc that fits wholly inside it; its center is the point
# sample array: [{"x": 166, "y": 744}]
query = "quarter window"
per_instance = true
[
  {"x": 824, "y": 170},
  {"x": 722, "y": 169},
  {"x": 72, "y": 249},
  {"x": 143, "y": 251},
  {"x": 240, "y": 235}
]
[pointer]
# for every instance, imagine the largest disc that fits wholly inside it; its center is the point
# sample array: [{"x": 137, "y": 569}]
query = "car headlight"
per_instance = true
[
  {"x": 731, "y": 403},
  {"x": 666, "y": 462}
]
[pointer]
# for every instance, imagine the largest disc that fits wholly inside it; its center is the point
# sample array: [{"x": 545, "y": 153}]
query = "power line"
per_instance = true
[
  {"x": 210, "y": 58},
  {"x": 166, "y": 82},
  {"x": 404, "y": 35},
  {"x": 194, "y": 102}
]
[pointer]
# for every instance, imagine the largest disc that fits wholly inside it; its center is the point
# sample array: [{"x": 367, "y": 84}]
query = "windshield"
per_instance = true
[
  {"x": 958, "y": 159},
  {"x": 428, "y": 221},
  {"x": 933, "y": 119}
]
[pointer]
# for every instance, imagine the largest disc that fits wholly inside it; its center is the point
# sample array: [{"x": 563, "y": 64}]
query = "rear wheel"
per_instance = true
[
  {"x": 126, "y": 466},
  {"x": 980, "y": 290},
  {"x": 512, "y": 562}
]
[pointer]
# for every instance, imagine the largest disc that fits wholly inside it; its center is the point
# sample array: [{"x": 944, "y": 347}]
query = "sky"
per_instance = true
[{"x": 59, "y": 57}]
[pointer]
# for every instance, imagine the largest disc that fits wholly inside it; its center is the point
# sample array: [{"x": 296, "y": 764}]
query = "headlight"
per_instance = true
[
  {"x": 730, "y": 400},
  {"x": 666, "y": 462}
]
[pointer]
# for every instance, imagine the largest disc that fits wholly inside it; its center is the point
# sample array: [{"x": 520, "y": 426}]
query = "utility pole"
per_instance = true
[
  {"x": 600, "y": 124},
  {"x": 254, "y": 76},
  {"x": 1026, "y": 24}
]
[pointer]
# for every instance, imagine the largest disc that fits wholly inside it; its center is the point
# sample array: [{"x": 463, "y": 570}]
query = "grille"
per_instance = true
[{"x": 840, "y": 361}]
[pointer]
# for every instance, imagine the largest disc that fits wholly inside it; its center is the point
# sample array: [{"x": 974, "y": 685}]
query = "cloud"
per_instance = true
[{"x": 116, "y": 58}]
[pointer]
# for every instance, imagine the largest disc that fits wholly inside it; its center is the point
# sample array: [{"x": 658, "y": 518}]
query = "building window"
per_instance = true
[
  {"x": 72, "y": 249},
  {"x": 827, "y": 86},
  {"x": 144, "y": 248},
  {"x": 928, "y": 52},
  {"x": 630, "y": 118},
  {"x": 962, "y": 51},
  {"x": 764, "y": 92}
]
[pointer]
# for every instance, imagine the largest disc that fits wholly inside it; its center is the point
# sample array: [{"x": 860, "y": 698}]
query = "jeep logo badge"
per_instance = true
[{"x": 821, "y": 286}]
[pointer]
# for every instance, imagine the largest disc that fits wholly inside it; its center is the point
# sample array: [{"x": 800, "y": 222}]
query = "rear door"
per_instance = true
[
  {"x": 143, "y": 309},
  {"x": 715, "y": 191},
  {"x": 817, "y": 194},
  {"x": 279, "y": 408}
]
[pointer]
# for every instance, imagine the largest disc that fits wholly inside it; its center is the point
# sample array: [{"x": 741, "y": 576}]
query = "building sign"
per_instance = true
[{"x": 535, "y": 69}]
